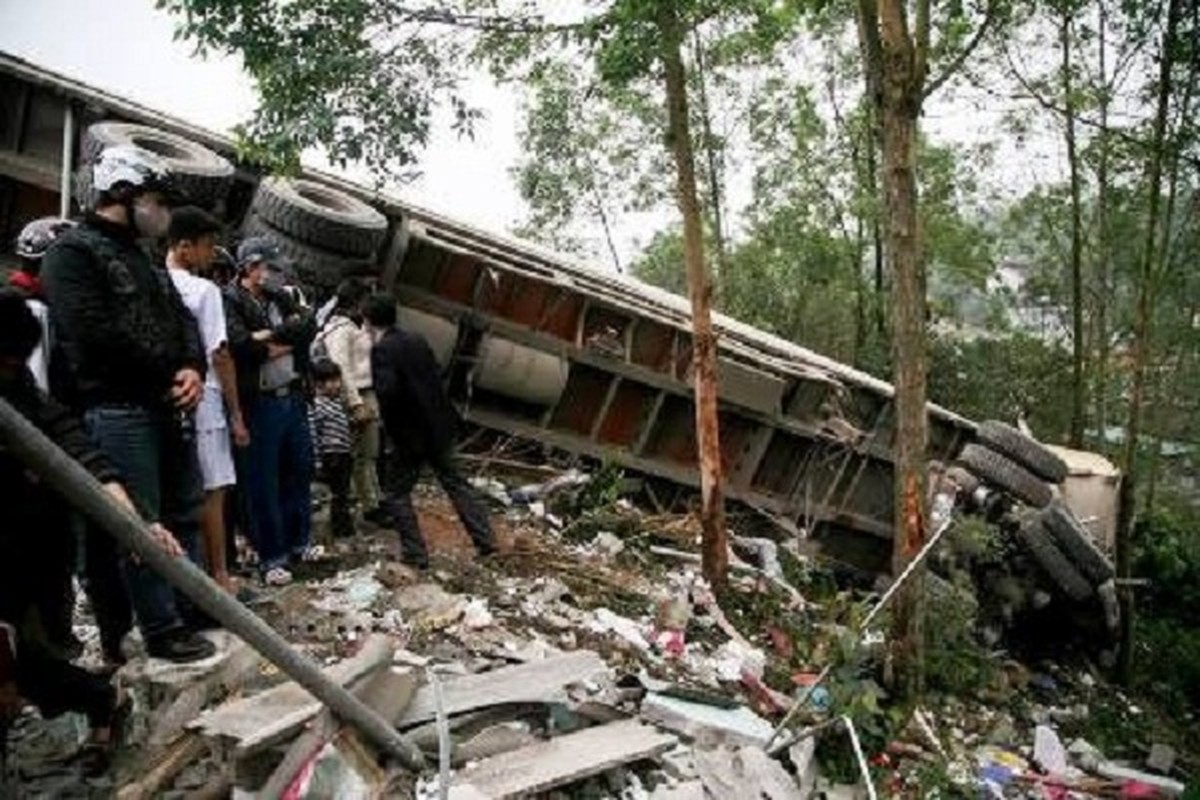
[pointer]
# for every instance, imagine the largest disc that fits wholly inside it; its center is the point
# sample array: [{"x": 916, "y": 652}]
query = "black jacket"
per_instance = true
[
  {"x": 244, "y": 315},
  {"x": 120, "y": 327},
  {"x": 417, "y": 413},
  {"x": 31, "y": 507}
]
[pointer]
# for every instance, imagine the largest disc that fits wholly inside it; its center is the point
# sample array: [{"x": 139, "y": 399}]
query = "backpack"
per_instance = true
[{"x": 319, "y": 350}]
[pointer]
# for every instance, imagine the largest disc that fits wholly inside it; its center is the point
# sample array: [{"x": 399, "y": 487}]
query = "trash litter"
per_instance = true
[
  {"x": 476, "y": 615},
  {"x": 570, "y": 479},
  {"x": 605, "y": 621},
  {"x": 734, "y": 659}
]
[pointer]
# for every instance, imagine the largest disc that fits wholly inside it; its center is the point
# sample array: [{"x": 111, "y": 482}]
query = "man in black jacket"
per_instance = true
[
  {"x": 269, "y": 336},
  {"x": 421, "y": 422},
  {"x": 135, "y": 367},
  {"x": 31, "y": 563}
]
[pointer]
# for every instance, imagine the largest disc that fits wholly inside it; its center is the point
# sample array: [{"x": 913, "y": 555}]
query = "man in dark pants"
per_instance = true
[
  {"x": 30, "y": 666},
  {"x": 269, "y": 336},
  {"x": 102, "y": 569},
  {"x": 135, "y": 367},
  {"x": 421, "y": 422}
]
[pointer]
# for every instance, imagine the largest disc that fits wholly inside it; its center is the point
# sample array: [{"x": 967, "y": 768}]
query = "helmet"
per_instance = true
[
  {"x": 256, "y": 249},
  {"x": 133, "y": 166},
  {"x": 36, "y": 237}
]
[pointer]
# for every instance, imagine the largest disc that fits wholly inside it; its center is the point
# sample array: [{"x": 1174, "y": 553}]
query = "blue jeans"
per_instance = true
[
  {"x": 278, "y": 478},
  {"x": 160, "y": 472}
]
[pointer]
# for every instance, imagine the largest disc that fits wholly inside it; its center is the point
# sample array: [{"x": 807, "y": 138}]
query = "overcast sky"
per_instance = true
[{"x": 126, "y": 47}]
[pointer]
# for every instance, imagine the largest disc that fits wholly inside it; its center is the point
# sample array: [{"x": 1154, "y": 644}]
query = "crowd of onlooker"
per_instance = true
[{"x": 207, "y": 394}]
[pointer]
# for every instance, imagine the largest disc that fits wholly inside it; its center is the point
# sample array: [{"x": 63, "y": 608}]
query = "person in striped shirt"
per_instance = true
[{"x": 333, "y": 443}]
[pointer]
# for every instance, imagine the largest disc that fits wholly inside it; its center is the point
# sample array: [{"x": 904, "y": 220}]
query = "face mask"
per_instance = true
[
  {"x": 272, "y": 280},
  {"x": 150, "y": 219}
]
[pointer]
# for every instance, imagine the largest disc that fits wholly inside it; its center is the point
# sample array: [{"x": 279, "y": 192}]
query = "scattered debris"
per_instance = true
[
  {"x": 590, "y": 660},
  {"x": 561, "y": 760}
]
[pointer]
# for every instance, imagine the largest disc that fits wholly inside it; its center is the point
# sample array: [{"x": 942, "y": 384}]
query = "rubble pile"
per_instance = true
[{"x": 589, "y": 659}]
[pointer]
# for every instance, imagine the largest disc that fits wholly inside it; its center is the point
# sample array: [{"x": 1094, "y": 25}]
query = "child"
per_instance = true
[{"x": 332, "y": 443}]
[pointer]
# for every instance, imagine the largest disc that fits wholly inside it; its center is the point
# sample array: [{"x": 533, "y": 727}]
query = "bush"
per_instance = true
[
  {"x": 1167, "y": 551},
  {"x": 1167, "y": 654}
]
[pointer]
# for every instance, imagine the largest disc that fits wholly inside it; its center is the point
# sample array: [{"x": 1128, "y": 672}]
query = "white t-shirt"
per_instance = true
[
  {"x": 203, "y": 299},
  {"x": 39, "y": 359}
]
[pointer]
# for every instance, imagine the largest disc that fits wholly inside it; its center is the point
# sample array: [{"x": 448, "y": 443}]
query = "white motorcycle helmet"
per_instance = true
[
  {"x": 129, "y": 166},
  {"x": 36, "y": 237}
]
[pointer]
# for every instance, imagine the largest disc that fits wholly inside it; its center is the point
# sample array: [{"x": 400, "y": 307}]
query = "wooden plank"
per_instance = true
[
  {"x": 561, "y": 761},
  {"x": 533, "y": 682},
  {"x": 268, "y": 717},
  {"x": 177, "y": 758}
]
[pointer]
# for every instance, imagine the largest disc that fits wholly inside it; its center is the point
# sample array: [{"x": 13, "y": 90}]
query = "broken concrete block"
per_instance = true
[
  {"x": 1171, "y": 788},
  {"x": 744, "y": 774},
  {"x": 476, "y": 615},
  {"x": 803, "y": 754},
  {"x": 706, "y": 723},
  {"x": 560, "y": 761},
  {"x": 1048, "y": 750},
  {"x": 1161, "y": 758},
  {"x": 688, "y": 790},
  {"x": 734, "y": 658},
  {"x": 605, "y": 621},
  {"x": 608, "y": 544},
  {"x": 1086, "y": 755}
]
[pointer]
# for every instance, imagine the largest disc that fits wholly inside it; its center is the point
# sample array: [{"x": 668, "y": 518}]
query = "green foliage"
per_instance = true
[
  {"x": 1168, "y": 551},
  {"x": 1003, "y": 377},
  {"x": 355, "y": 78},
  {"x": 955, "y": 662},
  {"x": 589, "y": 154}
]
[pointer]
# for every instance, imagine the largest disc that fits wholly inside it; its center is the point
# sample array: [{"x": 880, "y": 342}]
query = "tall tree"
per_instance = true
[
  {"x": 897, "y": 49},
  {"x": 1142, "y": 332},
  {"x": 1078, "y": 345},
  {"x": 715, "y": 547},
  {"x": 1103, "y": 265}
]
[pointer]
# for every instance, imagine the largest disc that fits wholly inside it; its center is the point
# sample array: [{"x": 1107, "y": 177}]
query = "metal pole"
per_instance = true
[
  {"x": 858, "y": 755},
  {"x": 68, "y": 159},
  {"x": 772, "y": 747},
  {"x": 908, "y": 570},
  {"x": 85, "y": 493}
]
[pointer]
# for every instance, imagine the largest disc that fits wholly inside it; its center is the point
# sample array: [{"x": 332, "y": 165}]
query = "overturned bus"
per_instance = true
[{"x": 546, "y": 349}]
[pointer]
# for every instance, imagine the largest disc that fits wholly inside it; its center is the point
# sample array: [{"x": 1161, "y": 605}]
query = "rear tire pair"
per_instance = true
[
  {"x": 1023, "y": 468},
  {"x": 200, "y": 176},
  {"x": 329, "y": 235}
]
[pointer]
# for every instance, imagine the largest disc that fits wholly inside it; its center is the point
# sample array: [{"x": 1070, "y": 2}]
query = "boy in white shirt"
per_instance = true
[{"x": 191, "y": 246}]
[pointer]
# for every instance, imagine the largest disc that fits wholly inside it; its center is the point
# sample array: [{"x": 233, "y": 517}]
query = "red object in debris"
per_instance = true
[
  {"x": 765, "y": 700},
  {"x": 671, "y": 643},
  {"x": 805, "y": 678},
  {"x": 1136, "y": 790},
  {"x": 1054, "y": 791},
  {"x": 781, "y": 642}
]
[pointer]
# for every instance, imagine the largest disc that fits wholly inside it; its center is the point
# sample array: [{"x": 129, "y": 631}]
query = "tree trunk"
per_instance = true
[
  {"x": 860, "y": 291},
  {"x": 714, "y": 547},
  {"x": 1103, "y": 251},
  {"x": 902, "y": 84},
  {"x": 1078, "y": 388},
  {"x": 602, "y": 214},
  {"x": 872, "y": 57},
  {"x": 1142, "y": 333},
  {"x": 712, "y": 157}
]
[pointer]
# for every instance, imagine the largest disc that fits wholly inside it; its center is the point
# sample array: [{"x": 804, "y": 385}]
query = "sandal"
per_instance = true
[{"x": 277, "y": 576}]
